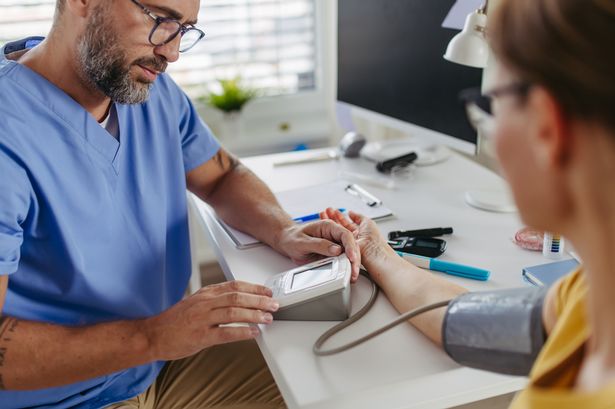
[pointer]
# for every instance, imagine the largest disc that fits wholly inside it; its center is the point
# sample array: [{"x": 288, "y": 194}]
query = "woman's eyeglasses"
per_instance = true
[{"x": 480, "y": 106}]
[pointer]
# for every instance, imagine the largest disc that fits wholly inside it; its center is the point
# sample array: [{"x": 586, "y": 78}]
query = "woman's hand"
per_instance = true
[{"x": 373, "y": 246}]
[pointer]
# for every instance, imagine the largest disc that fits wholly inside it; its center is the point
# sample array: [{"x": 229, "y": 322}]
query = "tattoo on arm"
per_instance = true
[
  {"x": 226, "y": 161},
  {"x": 7, "y": 329}
]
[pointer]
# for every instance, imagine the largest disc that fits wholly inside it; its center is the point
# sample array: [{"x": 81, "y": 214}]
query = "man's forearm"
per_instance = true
[
  {"x": 37, "y": 355},
  {"x": 242, "y": 200}
]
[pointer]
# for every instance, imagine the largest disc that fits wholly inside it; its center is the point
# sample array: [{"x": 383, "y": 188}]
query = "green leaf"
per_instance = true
[{"x": 233, "y": 96}]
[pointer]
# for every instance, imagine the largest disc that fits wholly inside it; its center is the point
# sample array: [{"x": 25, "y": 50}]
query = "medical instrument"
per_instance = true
[
  {"x": 437, "y": 231},
  {"x": 349, "y": 147},
  {"x": 318, "y": 291},
  {"x": 500, "y": 331},
  {"x": 422, "y": 246},
  {"x": 309, "y": 158},
  {"x": 503, "y": 336}
]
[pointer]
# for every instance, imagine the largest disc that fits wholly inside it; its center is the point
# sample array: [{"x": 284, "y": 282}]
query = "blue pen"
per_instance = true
[
  {"x": 311, "y": 217},
  {"x": 447, "y": 267}
]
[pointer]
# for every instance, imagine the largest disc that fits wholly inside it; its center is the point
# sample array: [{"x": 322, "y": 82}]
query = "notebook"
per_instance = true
[
  {"x": 309, "y": 200},
  {"x": 544, "y": 275}
]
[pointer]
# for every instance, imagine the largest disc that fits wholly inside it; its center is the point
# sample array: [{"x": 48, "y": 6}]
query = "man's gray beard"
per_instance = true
[{"x": 104, "y": 65}]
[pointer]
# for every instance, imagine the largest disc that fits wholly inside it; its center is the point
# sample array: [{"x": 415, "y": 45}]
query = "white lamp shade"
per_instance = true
[{"x": 469, "y": 47}]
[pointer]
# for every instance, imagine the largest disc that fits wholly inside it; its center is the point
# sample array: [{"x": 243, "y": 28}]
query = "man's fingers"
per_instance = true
[
  {"x": 231, "y": 315},
  {"x": 244, "y": 300},
  {"x": 236, "y": 287},
  {"x": 343, "y": 235},
  {"x": 225, "y": 335},
  {"x": 321, "y": 246}
]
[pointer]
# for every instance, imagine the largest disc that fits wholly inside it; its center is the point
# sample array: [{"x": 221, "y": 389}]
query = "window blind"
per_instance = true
[{"x": 269, "y": 44}]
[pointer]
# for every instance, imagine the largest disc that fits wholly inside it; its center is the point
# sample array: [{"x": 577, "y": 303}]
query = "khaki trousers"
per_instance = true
[{"x": 229, "y": 376}]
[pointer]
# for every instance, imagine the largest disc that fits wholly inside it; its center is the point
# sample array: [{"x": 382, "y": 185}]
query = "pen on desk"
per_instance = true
[
  {"x": 447, "y": 267},
  {"x": 310, "y": 217}
]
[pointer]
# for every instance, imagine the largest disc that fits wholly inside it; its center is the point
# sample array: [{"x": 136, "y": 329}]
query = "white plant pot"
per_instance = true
[{"x": 231, "y": 126}]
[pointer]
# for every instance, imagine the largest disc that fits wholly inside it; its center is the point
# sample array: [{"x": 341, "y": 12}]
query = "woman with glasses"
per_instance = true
[{"x": 553, "y": 120}]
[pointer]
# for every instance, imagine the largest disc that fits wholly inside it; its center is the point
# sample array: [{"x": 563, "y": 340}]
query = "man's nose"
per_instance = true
[{"x": 170, "y": 50}]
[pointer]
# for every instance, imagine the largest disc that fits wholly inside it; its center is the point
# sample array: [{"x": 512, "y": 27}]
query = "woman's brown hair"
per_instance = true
[{"x": 565, "y": 46}]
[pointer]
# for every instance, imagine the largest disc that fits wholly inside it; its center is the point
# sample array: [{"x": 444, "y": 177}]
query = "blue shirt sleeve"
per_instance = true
[
  {"x": 198, "y": 142},
  {"x": 15, "y": 202},
  {"x": 3, "y": 60}
]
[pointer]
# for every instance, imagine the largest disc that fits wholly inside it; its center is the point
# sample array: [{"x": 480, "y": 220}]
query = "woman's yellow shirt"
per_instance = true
[{"x": 557, "y": 366}]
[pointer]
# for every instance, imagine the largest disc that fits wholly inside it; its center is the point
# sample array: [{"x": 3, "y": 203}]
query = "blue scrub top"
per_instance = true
[{"x": 93, "y": 228}]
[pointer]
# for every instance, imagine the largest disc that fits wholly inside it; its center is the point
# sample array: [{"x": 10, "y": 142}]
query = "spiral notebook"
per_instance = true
[{"x": 313, "y": 199}]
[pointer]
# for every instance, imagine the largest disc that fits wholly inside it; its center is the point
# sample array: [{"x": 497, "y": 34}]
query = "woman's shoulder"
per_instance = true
[{"x": 570, "y": 290}]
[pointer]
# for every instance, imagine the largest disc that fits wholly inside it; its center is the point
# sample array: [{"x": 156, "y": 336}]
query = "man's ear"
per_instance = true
[
  {"x": 552, "y": 138},
  {"x": 80, "y": 8}
]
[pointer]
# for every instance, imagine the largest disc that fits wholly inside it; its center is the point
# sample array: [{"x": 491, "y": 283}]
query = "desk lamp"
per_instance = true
[{"x": 470, "y": 48}]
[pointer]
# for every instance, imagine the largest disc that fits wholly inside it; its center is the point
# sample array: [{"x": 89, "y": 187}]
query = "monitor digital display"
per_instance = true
[
  {"x": 390, "y": 61},
  {"x": 313, "y": 277}
]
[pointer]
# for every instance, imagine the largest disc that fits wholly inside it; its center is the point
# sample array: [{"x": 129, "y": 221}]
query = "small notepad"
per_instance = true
[
  {"x": 544, "y": 275},
  {"x": 309, "y": 200}
]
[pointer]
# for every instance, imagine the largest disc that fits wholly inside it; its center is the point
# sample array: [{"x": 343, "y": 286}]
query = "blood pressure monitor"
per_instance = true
[{"x": 318, "y": 291}]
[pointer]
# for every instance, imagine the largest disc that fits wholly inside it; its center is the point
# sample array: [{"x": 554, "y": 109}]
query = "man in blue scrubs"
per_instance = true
[{"x": 97, "y": 149}]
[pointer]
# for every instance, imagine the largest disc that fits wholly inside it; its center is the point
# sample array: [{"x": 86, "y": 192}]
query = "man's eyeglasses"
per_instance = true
[
  {"x": 166, "y": 29},
  {"x": 480, "y": 106}
]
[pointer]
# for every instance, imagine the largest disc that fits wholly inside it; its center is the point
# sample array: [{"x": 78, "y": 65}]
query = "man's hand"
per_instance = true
[
  {"x": 373, "y": 246},
  {"x": 195, "y": 323},
  {"x": 306, "y": 242}
]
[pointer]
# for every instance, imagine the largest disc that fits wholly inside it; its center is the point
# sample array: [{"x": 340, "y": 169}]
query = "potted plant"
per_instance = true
[{"x": 230, "y": 100}]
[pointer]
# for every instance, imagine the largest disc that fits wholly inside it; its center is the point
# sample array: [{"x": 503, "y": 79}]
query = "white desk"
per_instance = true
[{"x": 401, "y": 368}]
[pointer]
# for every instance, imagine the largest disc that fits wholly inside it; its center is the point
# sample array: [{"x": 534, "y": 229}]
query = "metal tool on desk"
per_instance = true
[
  {"x": 310, "y": 158},
  {"x": 349, "y": 147},
  {"x": 358, "y": 191}
]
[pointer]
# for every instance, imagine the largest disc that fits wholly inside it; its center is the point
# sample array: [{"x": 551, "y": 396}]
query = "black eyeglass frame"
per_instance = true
[
  {"x": 484, "y": 100},
  {"x": 479, "y": 105},
  {"x": 181, "y": 28}
]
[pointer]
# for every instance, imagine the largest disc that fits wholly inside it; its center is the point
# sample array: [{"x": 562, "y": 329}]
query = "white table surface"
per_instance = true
[{"x": 401, "y": 368}]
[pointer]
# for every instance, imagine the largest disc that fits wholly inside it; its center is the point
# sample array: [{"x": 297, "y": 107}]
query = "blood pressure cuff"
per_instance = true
[{"x": 498, "y": 331}]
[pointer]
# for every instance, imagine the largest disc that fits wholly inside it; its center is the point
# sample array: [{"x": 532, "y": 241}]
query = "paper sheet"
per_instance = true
[
  {"x": 310, "y": 200},
  {"x": 456, "y": 18}
]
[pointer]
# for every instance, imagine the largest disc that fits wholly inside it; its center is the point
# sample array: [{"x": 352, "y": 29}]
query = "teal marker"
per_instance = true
[{"x": 447, "y": 267}]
